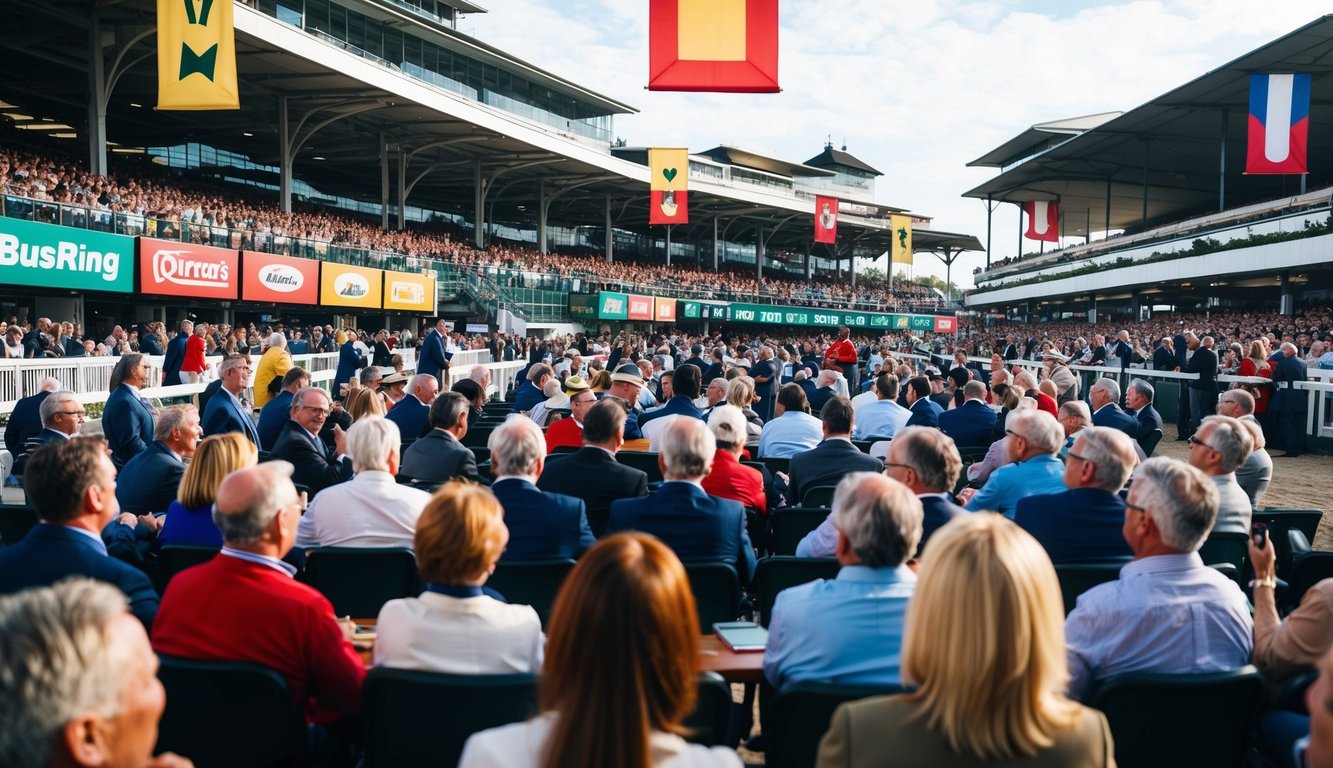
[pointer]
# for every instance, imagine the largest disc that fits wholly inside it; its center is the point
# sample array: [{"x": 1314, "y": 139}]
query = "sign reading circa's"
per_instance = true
[
  {"x": 170, "y": 268},
  {"x": 279, "y": 279},
  {"x": 32, "y": 253}
]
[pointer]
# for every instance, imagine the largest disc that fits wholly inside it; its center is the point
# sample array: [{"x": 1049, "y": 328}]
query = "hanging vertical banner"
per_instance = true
[
  {"x": 902, "y": 239},
  {"x": 826, "y": 219},
  {"x": 713, "y": 45},
  {"x": 669, "y": 184},
  {"x": 1043, "y": 220},
  {"x": 196, "y": 55},
  {"x": 1279, "y": 127}
]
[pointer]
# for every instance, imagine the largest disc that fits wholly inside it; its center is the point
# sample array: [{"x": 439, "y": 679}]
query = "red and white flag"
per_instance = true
[
  {"x": 1043, "y": 220},
  {"x": 826, "y": 219}
]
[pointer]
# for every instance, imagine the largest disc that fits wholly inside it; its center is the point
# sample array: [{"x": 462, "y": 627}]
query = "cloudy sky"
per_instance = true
[{"x": 915, "y": 88}]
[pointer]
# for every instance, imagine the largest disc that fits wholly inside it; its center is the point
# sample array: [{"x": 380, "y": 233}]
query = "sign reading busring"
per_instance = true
[
  {"x": 32, "y": 253},
  {"x": 341, "y": 285}
]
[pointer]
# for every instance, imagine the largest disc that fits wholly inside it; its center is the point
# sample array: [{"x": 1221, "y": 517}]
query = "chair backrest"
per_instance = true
[
  {"x": 1174, "y": 720},
  {"x": 412, "y": 718},
  {"x": 775, "y": 574},
  {"x": 360, "y": 580},
  {"x": 971, "y": 454},
  {"x": 1077, "y": 578},
  {"x": 1286, "y": 527},
  {"x": 477, "y": 436},
  {"x": 1148, "y": 442},
  {"x": 174, "y": 558},
  {"x": 790, "y": 525},
  {"x": 263, "y": 725},
  {"x": 777, "y": 464},
  {"x": 1226, "y": 548},
  {"x": 643, "y": 460},
  {"x": 15, "y": 522},
  {"x": 710, "y": 723},
  {"x": 533, "y": 582},
  {"x": 717, "y": 592},
  {"x": 1308, "y": 570},
  {"x": 864, "y": 445},
  {"x": 799, "y": 716},
  {"x": 818, "y": 496}
]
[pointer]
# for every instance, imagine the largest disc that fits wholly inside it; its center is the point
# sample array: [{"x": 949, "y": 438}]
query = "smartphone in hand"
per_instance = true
[{"x": 1259, "y": 533}]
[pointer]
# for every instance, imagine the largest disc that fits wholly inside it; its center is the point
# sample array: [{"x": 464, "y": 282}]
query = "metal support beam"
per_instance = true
[
  {"x": 1222, "y": 165},
  {"x": 384, "y": 181},
  {"x": 610, "y": 238},
  {"x": 402, "y": 188},
  {"x": 668, "y": 245},
  {"x": 479, "y": 205},
  {"x": 291, "y": 139},
  {"x": 284, "y": 157},
  {"x": 1107, "y": 233},
  {"x": 1146, "y": 146},
  {"x": 716, "y": 243},
  {"x": 759, "y": 258},
  {"x": 97, "y": 90},
  {"x": 542, "y": 204}
]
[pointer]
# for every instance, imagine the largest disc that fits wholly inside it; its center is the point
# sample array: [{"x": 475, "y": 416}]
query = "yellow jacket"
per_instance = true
[{"x": 275, "y": 362}]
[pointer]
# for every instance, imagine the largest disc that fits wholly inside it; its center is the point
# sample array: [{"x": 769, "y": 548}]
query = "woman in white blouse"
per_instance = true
[
  {"x": 453, "y": 627},
  {"x": 623, "y": 665}
]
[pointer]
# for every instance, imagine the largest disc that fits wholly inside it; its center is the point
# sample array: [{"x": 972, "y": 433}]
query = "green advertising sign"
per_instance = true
[
  {"x": 768, "y": 314},
  {"x": 689, "y": 310},
  {"x": 923, "y": 323},
  {"x": 583, "y": 306},
  {"x": 32, "y": 253},
  {"x": 612, "y": 305}
]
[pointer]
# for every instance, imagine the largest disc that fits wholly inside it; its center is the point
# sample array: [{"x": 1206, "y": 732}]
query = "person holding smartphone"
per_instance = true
[{"x": 1284, "y": 649}]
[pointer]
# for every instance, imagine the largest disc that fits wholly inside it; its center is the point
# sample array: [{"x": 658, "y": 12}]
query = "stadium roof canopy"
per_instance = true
[{"x": 1179, "y": 155}]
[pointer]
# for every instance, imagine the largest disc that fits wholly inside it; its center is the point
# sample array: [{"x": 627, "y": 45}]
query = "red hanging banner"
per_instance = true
[
  {"x": 713, "y": 45},
  {"x": 826, "y": 219},
  {"x": 1043, "y": 220}
]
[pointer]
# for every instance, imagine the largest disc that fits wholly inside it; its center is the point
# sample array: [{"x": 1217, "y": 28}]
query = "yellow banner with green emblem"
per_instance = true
[
  {"x": 902, "y": 239},
  {"x": 196, "y": 55}
]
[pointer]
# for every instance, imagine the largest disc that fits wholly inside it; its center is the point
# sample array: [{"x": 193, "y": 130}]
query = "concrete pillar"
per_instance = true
[
  {"x": 759, "y": 255},
  {"x": 479, "y": 206},
  {"x": 541, "y": 215},
  {"x": 384, "y": 182},
  {"x": 402, "y": 188},
  {"x": 97, "y": 100},
  {"x": 610, "y": 238},
  {"x": 284, "y": 157},
  {"x": 1287, "y": 302},
  {"x": 716, "y": 244},
  {"x": 668, "y": 245}
]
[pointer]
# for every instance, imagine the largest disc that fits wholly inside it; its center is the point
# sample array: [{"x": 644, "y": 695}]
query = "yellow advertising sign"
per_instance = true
[
  {"x": 902, "y": 239},
  {"x": 341, "y": 285},
  {"x": 196, "y": 55},
  {"x": 669, "y": 169},
  {"x": 409, "y": 293}
]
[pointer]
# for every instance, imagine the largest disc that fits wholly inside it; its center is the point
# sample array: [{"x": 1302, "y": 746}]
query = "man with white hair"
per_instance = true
[
  {"x": 149, "y": 481},
  {"x": 1256, "y": 473},
  {"x": 680, "y": 513},
  {"x": 60, "y": 416},
  {"x": 541, "y": 525},
  {"x": 1034, "y": 439},
  {"x": 273, "y": 364},
  {"x": 1104, "y": 398},
  {"x": 81, "y": 685},
  {"x": 371, "y": 509},
  {"x": 1168, "y": 613},
  {"x": 225, "y": 411},
  {"x": 555, "y": 399},
  {"x": 848, "y": 631},
  {"x": 825, "y": 389},
  {"x": 412, "y": 413},
  {"x": 1219, "y": 447}
]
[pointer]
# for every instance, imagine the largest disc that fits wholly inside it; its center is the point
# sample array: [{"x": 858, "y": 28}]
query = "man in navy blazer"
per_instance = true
[
  {"x": 971, "y": 423},
  {"x": 835, "y": 456},
  {"x": 72, "y": 485},
  {"x": 541, "y": 525},
  {"x": 148, "y": 343},
  {"x": 433, "y": 358},
  {"x": 925, "y": 412},
  {"x": 25, "y": 421},
  {"x": 315, "y": 466},
  {"x": 412, "y": 413},
  {"x": 1085, "y": 522},
  {"x": 225, "y": 412},
  {"x": 440, "y": 455},
  {"x": 149, "y": 482},
  {"x": 277, "y": 411},
  {"x": 695, "y": 525},
  {"x": 349, "y": 362},
  {"x": 127, "y": 419},
  {"x": 1103, "y": 397},
  {"x": 171, "y": 366},
  {"x": 1139, "y": 398},
  {"x": 603, "y": 435}
]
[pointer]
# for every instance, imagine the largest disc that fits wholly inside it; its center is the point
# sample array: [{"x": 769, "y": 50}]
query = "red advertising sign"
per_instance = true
[
  {"x": 279, "y": 279},
  {"x": 169, "y": 268},
  {"x": 666, "y": 310},
  {"x": 946, "y": 324},
  {"x": 640, "y": 307}
]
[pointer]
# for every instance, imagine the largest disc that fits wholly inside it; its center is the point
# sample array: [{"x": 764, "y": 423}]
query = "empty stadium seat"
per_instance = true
[
  {"x": 775, "y": 574},
  {"x": 790, "y": 524},
  {"x": 717, "y": 592},
  {"x": 801, "y": 713},
  {"x": 534, "y": 582},
  {"x": 360, "y": 580}
]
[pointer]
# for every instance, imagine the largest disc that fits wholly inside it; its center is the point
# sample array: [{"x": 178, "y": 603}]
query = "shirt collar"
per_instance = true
[
  {"x": 96, "y": 538},
  {"x": 864, "y": 573},
  {"x": 694, "y": 483},
  {"x": 251, "y": 557},
  {"x": 1180, "y": 561}
]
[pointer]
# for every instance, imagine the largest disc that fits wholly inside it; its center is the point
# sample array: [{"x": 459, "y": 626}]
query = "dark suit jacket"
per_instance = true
[
  {"x": 541, "y": 525},
  {"x": 149, "y": 482},
  {"x": 595, "y": 476},
  {"x": 938, "y": 512},
  {"x": 925, "y": 413},
  {"x": 1288, "y": 400},
  {"x": 25, "y": 421},
  {"x": 412, "y": 417},
  {"x": 432, "y": 358},
  {"x": 1110, "y": 415},
  {"x": 820, "y": 396},
  {"x": 825, "y": 464},
  {"x": 942, "y": 399},
  {"x": 439, "y": 457},
  {"x": 695, "y": 525},
  {"x": 127, "y": 424},
  {"x": 1075, "y": 526},
  {"x": 272, "y": 418},
  {"x": 969, "y": 424},
  {"x": 149, "y": 345},
  {"x": 1162, "y": 359},
  {"x": 1149, "y": 419},
  {"x": 221, "y": 416},
  {"x": 697, "y": 362},
  {"x": 349, "y": 362},
  {"x": 383, "y": 356},
  {"x": 1204, "y": 363},
  {"x": 711, "y": 371},
  {"x": 50, "y": 553},
  {"x": 171, "y": 366},
  {"x": 314, "y": 467}
]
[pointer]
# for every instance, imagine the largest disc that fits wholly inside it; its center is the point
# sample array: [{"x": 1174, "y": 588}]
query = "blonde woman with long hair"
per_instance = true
[{"x": 189, "y": 519}]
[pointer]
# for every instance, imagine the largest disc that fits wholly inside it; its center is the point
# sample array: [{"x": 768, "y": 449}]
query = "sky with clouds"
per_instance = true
[{"x": 915, "y": 88}]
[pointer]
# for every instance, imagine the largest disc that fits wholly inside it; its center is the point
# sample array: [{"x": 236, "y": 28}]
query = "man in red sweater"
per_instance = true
[
  {"x": 245, "y": 605},
  {"x": 843, "y": 352}
]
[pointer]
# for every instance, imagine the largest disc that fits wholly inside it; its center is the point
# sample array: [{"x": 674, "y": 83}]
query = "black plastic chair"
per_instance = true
[
  {"x": 864, "y": 445},
  {"x": 1077, "y": 578},
  {"x": 264, "y": 727},
  {"x": 1308, "y": 570},
  {"x": 477, "y": 436},
  {"x": 1149, "y": 441},
  {"x": 15, "y": 522},
  {"x": 710, "y": 722},
  {"x": 717, "y": 592},
  {"x": 818, "y": 496},
  {"x": 790, "y": 524},
  {"x": 360, "y": 580},
  {"x": 532, "y": 582},
  {"x": 1175, "y": 720},
  {"x": 1226, "y": 548},
  {"x": 412, "y": 718},
  {"x": 801, "y": 713},
  {"x": 1291, "y": 531},
  {"x": 643, "y": 460},
  {"x": 174, "y": 558},
  {"x": 777, "y": 464},
  {"x": 775, "y": 574}
]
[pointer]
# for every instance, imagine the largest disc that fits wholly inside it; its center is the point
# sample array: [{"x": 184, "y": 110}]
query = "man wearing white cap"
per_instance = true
[{"x": 626, "y": 384}]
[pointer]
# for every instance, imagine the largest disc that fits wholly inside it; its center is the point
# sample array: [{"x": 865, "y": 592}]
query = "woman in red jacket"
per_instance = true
[
  {"x": 193, "y": 364},
  {"x": 729, "y": 479}
]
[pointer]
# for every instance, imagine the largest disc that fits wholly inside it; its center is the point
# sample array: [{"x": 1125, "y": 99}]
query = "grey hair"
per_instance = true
[
  {"x": 232, "y": 362},
  {"x": 728, "y": 426},
  {"x": 516, "y": 446},
  {"x": 303, "y": 394},
  {"x": 1112, "y": 455},
  {"x": 1230, "y": 439},
  {"x": 478, "y": 373},
  {"x": 1038, "y": 428},
  {"x": 370, "y": 373},
  {"x": 51, "y": 406},
  {"x": 1110, "y": 387},
  {"x": 420, "y": 380},
  {"x": 370, "y": 443},
  {"x": 247, "y": 516},
  {"x": 1241, "y": 398},
  {"x": 59, "y": 663},
  {"x": 826, "y": 377},
  {"x": 880, "y": 517},
  {"x": 1287, "y": 346},
  {"x": 170, "y": 420},
  {"x": 687, "y": 449},
  {"x": 932, "y": 455},
  {"x": 1026, "y": 380},
  {"x": 1078, "y": 409},
  {"x": 1181, "y": 500},
  {"x": 1144, "y": 389},
  {"x": 277, "y": 340},
  {"x": 974, "y": 390}
]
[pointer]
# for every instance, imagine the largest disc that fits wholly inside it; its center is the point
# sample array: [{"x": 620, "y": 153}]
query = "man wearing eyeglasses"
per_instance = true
[
  {"x": 225, "y": 412},
  {"x": 1219, "y": 447},
  {"x": 316, "y": 467},
  {"x": 1034, "y": 439}
]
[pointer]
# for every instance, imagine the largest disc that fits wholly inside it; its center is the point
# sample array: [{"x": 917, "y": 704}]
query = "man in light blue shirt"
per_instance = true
[
  {"x": 884, "y": 416},
  {"x": 849, "y": 630},
  {"x": 793, "y": 430},
  {"x": 1168, "y": 612},
  {"x": 1034, "y": 438}
]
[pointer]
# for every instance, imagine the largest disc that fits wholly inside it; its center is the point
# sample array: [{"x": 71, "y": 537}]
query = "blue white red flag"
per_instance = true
[{"x": 1279, "y": 127}]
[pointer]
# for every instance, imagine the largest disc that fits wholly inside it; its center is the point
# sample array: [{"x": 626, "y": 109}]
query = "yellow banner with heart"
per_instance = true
[{"x": 670, "y": 169}]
